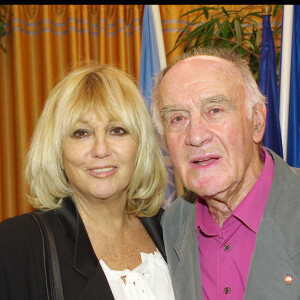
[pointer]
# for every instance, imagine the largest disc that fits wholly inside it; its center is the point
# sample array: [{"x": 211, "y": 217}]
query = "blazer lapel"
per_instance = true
[
  {"x": 187, "y": 277},
  {"x": 270, "y": 265},
  {"x": 97, "y": 287},
  {"x": 277, "y": 251},
  {"x": 85, "y": 260},
  {"x": 154, "y": 230}
]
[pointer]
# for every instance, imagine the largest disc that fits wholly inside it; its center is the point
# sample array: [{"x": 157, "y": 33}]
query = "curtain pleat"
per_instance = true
[{"x": 43, "y": 42}]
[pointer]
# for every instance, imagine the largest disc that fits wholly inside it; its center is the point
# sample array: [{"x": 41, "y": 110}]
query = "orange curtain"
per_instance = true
[{"x": 42, "y": 42}]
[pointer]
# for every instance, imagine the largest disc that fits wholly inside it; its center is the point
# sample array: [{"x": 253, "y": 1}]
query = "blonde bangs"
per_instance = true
[{"x": 106, "y": 96}]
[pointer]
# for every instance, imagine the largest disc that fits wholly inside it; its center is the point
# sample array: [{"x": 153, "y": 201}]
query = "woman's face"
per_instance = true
[{"x": 99, "y": 159}]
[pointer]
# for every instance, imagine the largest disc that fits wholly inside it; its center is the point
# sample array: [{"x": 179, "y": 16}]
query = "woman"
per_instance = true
[{"x": 96, "y": 171}]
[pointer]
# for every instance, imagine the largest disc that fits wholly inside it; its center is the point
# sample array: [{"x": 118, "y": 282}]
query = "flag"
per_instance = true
[
  {"x": 268, "y": 85},
  {"x": 149, "y": 68},
  {"x": 150, "y": 64},
  {"x": 293, "y": 143}
]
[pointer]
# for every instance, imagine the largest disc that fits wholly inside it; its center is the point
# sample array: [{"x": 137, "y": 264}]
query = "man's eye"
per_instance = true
[
  {"x": 177, "y": 119},
  {"x": 215, "y": 110},
  {"x": 118, "y": 131},
  {"x": 80, "y": 133}
]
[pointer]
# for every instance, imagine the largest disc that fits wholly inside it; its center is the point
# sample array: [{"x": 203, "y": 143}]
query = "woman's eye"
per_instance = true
[
  {"x": 80, "y": 133},
  {"x": 118, "y": 131}
]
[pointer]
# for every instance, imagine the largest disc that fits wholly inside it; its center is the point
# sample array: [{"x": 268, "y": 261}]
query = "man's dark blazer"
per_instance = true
[{"x": 21, "y": 261}]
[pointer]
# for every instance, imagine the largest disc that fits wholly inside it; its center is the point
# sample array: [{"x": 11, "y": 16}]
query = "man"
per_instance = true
[{"x": 236, "y": 233}]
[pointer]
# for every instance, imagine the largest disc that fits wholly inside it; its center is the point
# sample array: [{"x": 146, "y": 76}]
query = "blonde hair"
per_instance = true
[
  {"x": 111, "y": 93},
  {"x": 255, "y": 97}
]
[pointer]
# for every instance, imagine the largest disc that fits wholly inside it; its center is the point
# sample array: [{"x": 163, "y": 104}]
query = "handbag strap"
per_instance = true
[{"x": 51, "y": 265}]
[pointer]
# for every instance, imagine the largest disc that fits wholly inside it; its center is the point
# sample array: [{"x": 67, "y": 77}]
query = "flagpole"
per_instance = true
[
  {"x": 159, "y": 36},
  {"x": 287, "y": 34}
]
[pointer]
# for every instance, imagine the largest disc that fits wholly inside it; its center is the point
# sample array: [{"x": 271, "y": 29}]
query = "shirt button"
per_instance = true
[
  {"x": 227, "y": 290},
  {"x": 226, "y": 248}
]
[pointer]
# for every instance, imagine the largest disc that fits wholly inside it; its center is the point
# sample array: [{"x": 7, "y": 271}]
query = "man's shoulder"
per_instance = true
[
  {"x": 284, "y": 173},
  {"x": 296, "y": 171},
  {"x": 284, "y": 198}
]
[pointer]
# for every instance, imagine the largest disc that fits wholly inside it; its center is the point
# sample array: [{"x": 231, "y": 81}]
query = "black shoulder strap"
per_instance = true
[{"x": 51, "y": 265}]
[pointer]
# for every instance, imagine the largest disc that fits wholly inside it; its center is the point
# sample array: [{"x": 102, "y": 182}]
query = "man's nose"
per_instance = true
[{"x": 199, "y": 132}]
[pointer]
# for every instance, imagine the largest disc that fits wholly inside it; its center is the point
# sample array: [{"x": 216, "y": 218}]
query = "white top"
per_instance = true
[{"x": 148, "y": 281}]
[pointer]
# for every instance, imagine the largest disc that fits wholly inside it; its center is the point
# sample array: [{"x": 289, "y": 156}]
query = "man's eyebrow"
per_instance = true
[
  {"x": 219, "y": 99},
  {"x": 168, "y": 108},
  {"x": 216, "y": 99}
]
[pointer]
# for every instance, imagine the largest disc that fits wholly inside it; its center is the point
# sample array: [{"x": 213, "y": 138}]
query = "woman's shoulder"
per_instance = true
[
  {"x": 15, "y": 222},
  {"x": 21, "y": 258},
  {"x": 15, "y": 231}
]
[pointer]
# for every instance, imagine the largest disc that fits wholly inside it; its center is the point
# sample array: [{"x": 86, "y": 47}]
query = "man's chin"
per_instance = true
[{"x": 207, "y": 191}]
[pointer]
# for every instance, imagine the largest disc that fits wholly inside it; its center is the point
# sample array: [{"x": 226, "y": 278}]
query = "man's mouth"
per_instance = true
[{"x": 205, "y": 161}]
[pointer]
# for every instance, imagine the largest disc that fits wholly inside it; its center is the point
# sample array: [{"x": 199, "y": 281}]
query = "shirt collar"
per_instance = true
[
  {"x": 205, "y": 221},
  {"x": 254, "y": 202}
]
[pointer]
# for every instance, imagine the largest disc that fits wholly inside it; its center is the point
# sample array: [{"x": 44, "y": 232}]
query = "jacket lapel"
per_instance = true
[
  {"x": 85, "y": 260},
  {"x": 277, "y": 251},
  {"x": 270, "y": 265},
  {"x": 187, "y": 277},
  {"x": 154, "y": 230},
  {"x": 97, "y": 287}
]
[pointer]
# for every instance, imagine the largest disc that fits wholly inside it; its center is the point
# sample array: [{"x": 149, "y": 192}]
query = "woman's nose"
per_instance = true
[{"x": 101, "y": 147}]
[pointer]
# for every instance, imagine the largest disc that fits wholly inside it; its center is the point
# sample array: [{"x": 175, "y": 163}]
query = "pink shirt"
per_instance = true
[{"x": 225, "y": 253}]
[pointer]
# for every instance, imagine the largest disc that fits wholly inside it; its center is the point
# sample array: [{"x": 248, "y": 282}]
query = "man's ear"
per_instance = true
[{"x": 259, "y": 122}]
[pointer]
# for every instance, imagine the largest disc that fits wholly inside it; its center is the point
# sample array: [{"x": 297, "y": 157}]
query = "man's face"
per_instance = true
[{"x": 208, "y": 132}]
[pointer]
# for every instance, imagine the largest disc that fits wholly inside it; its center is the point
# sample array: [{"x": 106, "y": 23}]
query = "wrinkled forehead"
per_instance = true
[{"x": 201, "y": 74}]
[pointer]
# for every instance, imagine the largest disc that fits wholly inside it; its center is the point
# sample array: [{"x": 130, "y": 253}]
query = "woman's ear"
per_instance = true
[{"x": 259, "y": 122}]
